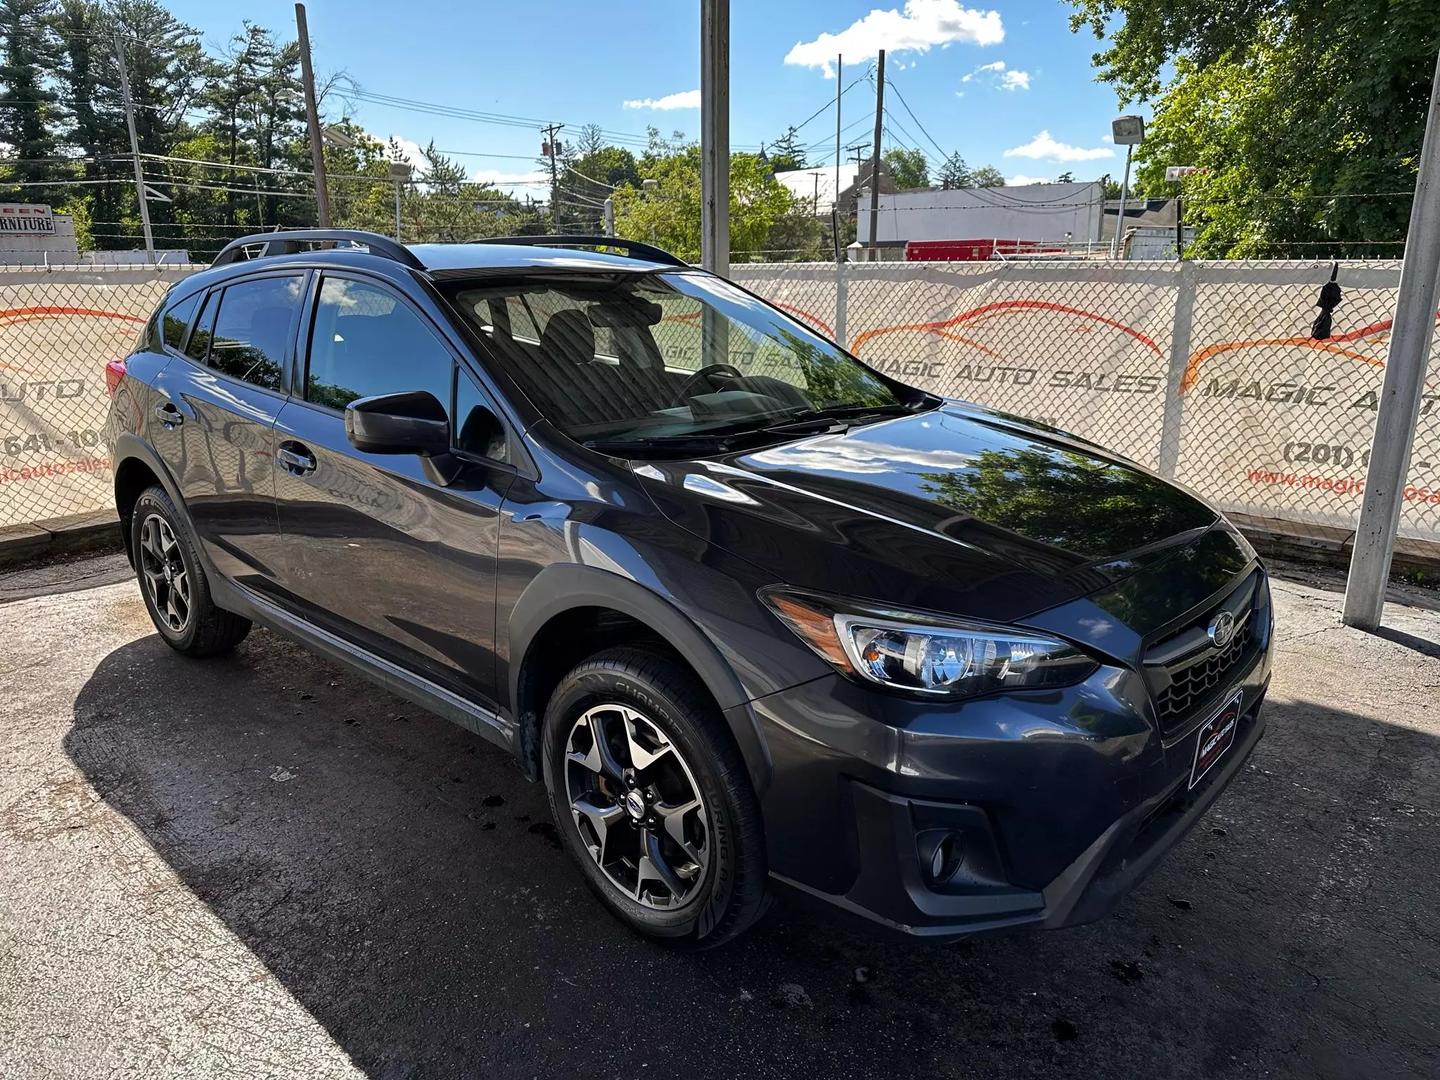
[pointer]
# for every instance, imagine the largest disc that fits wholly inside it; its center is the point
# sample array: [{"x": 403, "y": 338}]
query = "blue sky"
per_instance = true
[{"x": 1005, "y": 83}]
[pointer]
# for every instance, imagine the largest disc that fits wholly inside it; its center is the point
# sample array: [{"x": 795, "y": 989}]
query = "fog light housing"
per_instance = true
[{"x": 941, "y": 852}]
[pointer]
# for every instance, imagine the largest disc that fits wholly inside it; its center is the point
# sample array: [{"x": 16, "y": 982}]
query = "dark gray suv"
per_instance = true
[{"x": 757, "y": 614}]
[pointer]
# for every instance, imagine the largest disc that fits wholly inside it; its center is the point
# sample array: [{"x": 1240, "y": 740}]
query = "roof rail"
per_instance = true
[
  {"x": 632, "y": 248},
  {"x": 290, "y": 241}
]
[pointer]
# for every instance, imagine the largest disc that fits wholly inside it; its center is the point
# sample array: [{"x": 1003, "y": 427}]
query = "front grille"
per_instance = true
[
  {"x": 1187, "y": 674},
  {"x": 1191, "y": 686}
]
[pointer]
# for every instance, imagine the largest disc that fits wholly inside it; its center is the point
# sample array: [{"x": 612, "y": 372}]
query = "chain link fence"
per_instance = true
[
  {"x": 1206, "y": 372},
  {"x": 58, "y": 327}
]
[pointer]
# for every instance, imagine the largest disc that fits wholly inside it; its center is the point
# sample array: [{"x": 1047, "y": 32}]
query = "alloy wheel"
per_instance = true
[
  {"x": 166, "y": 578},
  {"x": 637, "y": 806}
]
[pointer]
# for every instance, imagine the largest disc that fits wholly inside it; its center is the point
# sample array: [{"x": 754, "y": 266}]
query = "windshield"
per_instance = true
[{"x": 636, "y": 361}]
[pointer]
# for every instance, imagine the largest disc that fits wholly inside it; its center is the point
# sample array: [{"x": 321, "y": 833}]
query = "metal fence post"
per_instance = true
[
  {"x": 1398, "y": 409},
  {"x": 1169, "y": 453},
  {"x": 840, "y": 301}
]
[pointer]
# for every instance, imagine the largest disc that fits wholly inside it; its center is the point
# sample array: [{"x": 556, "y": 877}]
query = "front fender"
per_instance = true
[{"x": 564, "y": 587}]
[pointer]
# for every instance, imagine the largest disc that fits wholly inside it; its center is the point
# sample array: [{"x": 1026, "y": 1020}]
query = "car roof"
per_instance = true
[{"x": 453, "y": 259}]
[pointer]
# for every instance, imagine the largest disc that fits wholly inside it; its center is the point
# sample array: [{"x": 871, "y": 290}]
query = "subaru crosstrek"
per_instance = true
[{"x": 757, "y": 614}]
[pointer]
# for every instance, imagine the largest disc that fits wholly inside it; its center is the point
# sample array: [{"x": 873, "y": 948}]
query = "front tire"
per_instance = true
[
  {"x": 174, "y": 586},
  {"x": 653, "y": 799}
]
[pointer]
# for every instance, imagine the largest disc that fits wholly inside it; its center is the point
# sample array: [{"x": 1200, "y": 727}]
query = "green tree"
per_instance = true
[
  {"x": 670, "y": 214},
  {"x": 787, "y": 152},
  {"x": 987, "y": 176},
  {"x": 954, "y": 173},
  {"x": 88, "y": 79},
  {"x": 30, "y": 110},
  {"x": 908, "y": 168},
  {"x": 1299, "y": 110}
]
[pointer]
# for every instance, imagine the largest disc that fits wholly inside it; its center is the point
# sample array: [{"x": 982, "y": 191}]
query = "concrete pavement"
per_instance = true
[{"x": 261, "y": 866}]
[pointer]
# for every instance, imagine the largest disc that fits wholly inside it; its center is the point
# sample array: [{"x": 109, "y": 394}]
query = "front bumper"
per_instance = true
[{"x": 1056, "y": 804}]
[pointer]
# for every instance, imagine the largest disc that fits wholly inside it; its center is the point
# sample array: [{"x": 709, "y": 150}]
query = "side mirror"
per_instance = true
[{"x": 409, "y": 423}]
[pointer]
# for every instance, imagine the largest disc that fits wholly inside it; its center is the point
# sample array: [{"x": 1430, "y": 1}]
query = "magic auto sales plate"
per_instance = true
[{"x": 1215, "y": 737}]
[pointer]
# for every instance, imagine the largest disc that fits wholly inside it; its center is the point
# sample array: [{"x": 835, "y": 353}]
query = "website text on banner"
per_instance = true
[{"x": 1205, "y": 371}]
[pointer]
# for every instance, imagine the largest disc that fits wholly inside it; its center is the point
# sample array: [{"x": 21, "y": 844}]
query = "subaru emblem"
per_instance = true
[{"x": 1221, "y": 629}]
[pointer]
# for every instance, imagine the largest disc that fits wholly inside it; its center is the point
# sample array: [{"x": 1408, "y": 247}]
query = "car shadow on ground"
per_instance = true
[{"x": 403, "y": 881}]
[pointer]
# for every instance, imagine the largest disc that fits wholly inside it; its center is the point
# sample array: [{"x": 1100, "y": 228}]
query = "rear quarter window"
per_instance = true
[{"x": 176, "y": 320}]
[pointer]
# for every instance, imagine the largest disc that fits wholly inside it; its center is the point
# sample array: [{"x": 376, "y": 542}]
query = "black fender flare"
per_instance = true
[{"x": 565, "y": 586}]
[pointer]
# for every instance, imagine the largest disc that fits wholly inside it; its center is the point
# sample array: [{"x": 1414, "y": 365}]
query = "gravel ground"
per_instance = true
[{"x": 260, "y": 866}]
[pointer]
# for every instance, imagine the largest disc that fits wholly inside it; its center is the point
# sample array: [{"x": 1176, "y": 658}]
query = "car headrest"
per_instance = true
[{"x": 569, "y": 336}]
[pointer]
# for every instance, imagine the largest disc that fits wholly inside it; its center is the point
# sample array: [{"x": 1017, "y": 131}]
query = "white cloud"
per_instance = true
[
  {"x": 685, "y": 99},
  {"x": 1020, "y": 180},
  {"x": 1004, "y": 76},
  {"x": 1044, "y": 148},
  {"x": 919, "y": 27}
]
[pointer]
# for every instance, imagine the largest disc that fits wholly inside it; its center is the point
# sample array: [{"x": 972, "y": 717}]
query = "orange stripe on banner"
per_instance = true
[
  {"x": 60, "y": 312},
  {"x": 1192, "y": 366},
  {"x": 1006, "y": 306},
  {"x": 818, "y": 324},
  {"x": 968, "y": 341}
]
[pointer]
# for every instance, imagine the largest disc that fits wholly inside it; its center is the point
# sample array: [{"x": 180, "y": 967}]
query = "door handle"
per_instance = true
[
  {"x": 295, "y": 458},
  {"x": 169, "y": 415}
]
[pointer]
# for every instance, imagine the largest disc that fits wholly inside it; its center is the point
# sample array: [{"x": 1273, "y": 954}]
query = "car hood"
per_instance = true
[{"x": 956, "y": 509}]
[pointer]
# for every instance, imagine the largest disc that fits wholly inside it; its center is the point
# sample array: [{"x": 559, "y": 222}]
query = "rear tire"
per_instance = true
[
  {"x": 174, "y": 586},
  {"x": 653, "y": 799}
]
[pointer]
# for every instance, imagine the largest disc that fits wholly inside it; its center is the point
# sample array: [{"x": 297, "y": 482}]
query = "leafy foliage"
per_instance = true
[
  {"x": 669, "y": 214},
  {"x": 956, "y": 174},
  {"x": 1303, "y": 112},
  {"x": 908, "y": 168}
]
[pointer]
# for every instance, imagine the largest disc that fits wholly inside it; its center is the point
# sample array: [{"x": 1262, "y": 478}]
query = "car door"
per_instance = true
[
  {"x": 393, "y": 551},
  {"x": 214, "y": 418}
]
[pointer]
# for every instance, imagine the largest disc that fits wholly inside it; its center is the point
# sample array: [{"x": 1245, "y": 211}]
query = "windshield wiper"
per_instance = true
[
  {"x": 835, "y": 412},
  {"x": 682, "y": 443}
]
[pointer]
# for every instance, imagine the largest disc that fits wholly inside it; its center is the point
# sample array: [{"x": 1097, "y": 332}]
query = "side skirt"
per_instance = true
[{"x": 428, "y": 695}]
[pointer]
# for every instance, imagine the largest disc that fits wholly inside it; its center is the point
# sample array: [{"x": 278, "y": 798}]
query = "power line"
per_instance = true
[{"x": 906, "y": 104}]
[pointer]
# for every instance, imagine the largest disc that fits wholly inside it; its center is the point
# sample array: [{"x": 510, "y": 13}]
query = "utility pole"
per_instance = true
[
  {"x": 312, "y": 120},
  {"x": 1116, "y": 240},
  {"x": 859, "y": 149},
  {"x": 1400, "y": 394},
  {"x": 609, "y": 216},
  {"x": 551, "y": 130},
  {"x": 835, "y": 200},
  {"x": 715, "y": 136},
  {"x": 875, "y": 152},
  {"x": 1179, "y": 227},
  {"x": 135, "y": 152}
]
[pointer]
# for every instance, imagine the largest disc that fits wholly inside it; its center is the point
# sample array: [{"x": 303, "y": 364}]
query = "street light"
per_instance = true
[
  {"x": 399, "y": 176},
  {"x": 1126, "y": 131}
]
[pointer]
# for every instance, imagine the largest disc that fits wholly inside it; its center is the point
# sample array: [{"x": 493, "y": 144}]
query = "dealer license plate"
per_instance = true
[{"x": 1215, "y": 737}]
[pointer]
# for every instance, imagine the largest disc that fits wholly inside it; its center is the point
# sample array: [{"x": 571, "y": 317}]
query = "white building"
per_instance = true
[
  {"x": 33, "y": 235},
  {"x": 1054, "y": 213}
]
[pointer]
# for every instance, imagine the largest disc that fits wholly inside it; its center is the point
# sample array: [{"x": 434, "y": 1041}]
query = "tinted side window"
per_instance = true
[
  {"x": 177, "y": 318},
  {"x": 252, "y": 329},
  {"x": 199, "y": 345},
  {"x": 366, "y": 341}
]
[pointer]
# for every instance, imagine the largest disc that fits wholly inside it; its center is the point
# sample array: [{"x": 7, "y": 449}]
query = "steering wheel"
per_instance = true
[{"x": 687, "y": 388}]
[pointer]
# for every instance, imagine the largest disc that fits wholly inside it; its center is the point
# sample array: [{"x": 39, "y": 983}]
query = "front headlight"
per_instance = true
[{"x": 927, "y": 654}]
